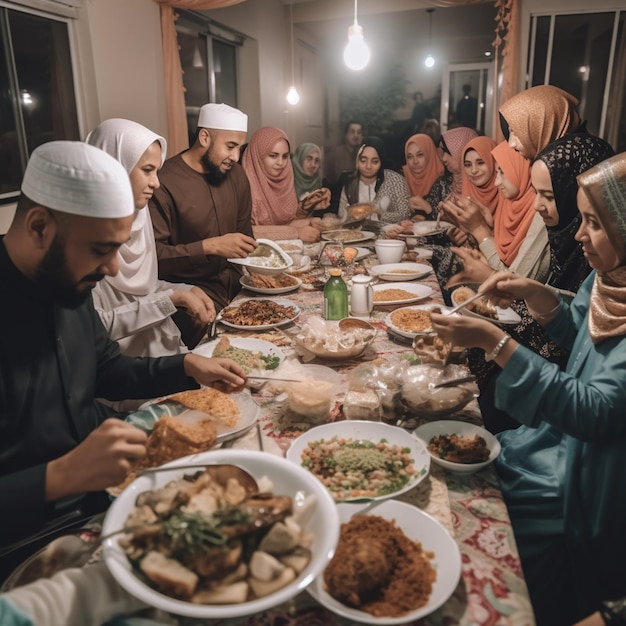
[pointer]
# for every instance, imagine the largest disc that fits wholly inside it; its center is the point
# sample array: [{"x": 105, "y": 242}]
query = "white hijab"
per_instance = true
[{"x": 127, "y": 141}]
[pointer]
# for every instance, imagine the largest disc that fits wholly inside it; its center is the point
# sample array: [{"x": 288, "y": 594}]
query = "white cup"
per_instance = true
[{"x": 389, "y": 250}]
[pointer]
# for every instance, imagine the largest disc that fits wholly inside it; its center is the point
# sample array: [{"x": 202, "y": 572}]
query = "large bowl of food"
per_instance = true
[
  {"x": 422, "y": 397},
  {"x": 187, "y": 526},
  {"x": 357, "y": 459},
  {"x": 459, "y": 447}
]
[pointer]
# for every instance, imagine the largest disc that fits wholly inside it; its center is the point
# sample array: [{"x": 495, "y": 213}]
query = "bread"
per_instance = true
[
  {"x": 211, "y": 401},
  {"x": 360, "y": 211}
]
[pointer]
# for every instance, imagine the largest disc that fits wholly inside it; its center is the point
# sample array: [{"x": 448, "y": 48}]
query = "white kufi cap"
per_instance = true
[
  {"x": 222, "y": 117},
  {"x": 74, "y": 177}
]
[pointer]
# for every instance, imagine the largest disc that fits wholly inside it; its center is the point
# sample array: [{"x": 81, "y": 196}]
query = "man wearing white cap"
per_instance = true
[
  {"x": 57, "y": 443},
  {"x": 201, "y": 213}
]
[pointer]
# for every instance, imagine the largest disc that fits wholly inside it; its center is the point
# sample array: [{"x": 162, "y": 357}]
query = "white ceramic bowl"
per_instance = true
[
  {"x": 389, "y": 250},
  {"x": 418, "y": 526},
  {"x": 463, "y": 429},
  {"x": 287, "y": 478},
  {"x": 370, "y": 431},
  {"x": 401, "y": 271}
]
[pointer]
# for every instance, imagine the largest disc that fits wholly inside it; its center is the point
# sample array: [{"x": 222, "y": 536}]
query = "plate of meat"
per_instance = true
[
  {"x": 259, "y": 313},
  {"x": 270, "y": 285}
]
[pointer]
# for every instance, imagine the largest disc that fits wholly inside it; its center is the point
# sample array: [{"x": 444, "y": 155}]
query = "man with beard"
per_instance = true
[
  {"x": 59, "y": 447},
  {"x": 201, "y": 213}
]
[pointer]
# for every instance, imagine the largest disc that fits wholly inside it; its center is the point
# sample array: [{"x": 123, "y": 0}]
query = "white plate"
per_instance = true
[
  {"x": 420, "y": 292},
  {"x": 428, "y": 228},
  {"x": 463, "y": 429},
  {"x": 269, "y": 271},
  {"x": 417, "y": 307},
  {"x": 505, "y": 316},
  {"x": 149, "y": 412},
  {"x": 267, "y": 348},
  {"x": 287, "y": 480},
  {"x": 418, "y": 526},
  {"x": 401, "y": 271},
  {"x": 245, "y": 282},
  {"x": 360, "y": 235},
  {"x": 280, "y": 301},
  {"x": 370, "y": 431}
]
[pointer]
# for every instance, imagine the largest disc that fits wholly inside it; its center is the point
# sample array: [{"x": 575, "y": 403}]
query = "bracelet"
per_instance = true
[
  {"x": 544, "y": 317},
  {"x": 482, "y": 241},
  {"x": 496, "y": 351}
]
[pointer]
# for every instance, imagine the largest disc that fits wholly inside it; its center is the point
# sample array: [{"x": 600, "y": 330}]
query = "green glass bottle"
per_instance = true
[{"x": 335, "y": 296}]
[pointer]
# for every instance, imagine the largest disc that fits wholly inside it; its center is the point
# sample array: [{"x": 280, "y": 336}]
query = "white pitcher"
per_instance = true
[{"x": 361, "y": 296}]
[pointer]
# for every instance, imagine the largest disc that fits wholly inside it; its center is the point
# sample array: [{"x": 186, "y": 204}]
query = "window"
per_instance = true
[
  {"x": 584, "y": 54},
  {"x": 208, "y": 55},
  {"x": 37, "y": 98}
]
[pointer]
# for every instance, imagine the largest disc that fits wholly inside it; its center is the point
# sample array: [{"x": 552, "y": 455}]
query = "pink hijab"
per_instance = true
[
  {"x": 487, "y": 194},
  {"x": 273, "y": 197},
  {"x": 420, "y": 184},
  {"x": 455, "y": 141}
]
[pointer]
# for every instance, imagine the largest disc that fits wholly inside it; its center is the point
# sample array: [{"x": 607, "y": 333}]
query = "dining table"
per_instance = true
[{"x": 491, "y": 590}]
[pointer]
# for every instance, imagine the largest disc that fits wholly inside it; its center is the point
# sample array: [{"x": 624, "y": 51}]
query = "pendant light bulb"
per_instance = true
[
  {"x": 357, "y": 53},
  {"x": 429, "y": 61},
  {"x": 293, "y": 97}
]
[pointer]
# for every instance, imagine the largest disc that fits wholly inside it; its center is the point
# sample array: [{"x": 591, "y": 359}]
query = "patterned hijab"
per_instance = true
[
  {"x": 453, "y": 142},
  {"x": 488, "y": 194},
  {"x": 420, "y": 184},
  {"x": 127, "y": 141},
  {"x": 352, "y": 185},
  {"x": 514, "y": 215},
  {"x": 605, "y": 188},
  {"x": 540, "y": 115},
  {"x": 303, "y": 182},
  {"x": 273, "y": 197},
  {"x": 566, "y": 158}
]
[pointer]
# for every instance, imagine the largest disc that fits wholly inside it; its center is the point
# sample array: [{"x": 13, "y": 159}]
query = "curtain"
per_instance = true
[
  {"x": 177, "y": 139},
  {"x": 506, "y": 55}
]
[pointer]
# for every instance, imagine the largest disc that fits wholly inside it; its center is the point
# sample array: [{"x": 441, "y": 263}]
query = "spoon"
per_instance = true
[
  {"x": 458, "y": 307},
  {"x": 454, "y": 381}
]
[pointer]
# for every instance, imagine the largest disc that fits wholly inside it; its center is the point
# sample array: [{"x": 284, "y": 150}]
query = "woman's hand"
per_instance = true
[
  {"x": 417, "y": 203},
  {"x": 223, "y": 374},
  {"x": 470, "y": 216},
  {"x": 458, "y": 237},
  {"x": 466, "y": 332},
  {"x": 475, "y": 268}
]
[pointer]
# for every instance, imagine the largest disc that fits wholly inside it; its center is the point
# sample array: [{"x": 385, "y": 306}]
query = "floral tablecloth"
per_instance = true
[{"x": 492, "y": 590}]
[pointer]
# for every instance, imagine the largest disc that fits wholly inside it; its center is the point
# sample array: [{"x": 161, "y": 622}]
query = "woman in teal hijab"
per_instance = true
[{"x": 307, "y": 169}]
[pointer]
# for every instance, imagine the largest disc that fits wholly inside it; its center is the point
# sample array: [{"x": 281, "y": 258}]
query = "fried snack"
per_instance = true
[
  {"x": 211, "y": 401},
  {"x": 378, "y": 569},
  {"x": 360, "y": 211},
  {"x": 169, "y": 440},
  {"x": 482, "y": 306}
]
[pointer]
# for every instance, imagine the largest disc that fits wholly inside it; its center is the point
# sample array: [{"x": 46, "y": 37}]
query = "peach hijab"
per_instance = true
[
  {"x": 514, "y": 215},
  {"x": 273, "y": 197},
  {"x": 420, "y": 184},
  {"x": 488, "y": 194}
]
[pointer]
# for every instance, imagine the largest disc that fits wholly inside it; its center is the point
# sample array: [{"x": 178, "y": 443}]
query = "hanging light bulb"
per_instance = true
[
  {"x": 293, "y": 97},
  {"x": 357, "y": 53},
  {"x": 429, "y": 61}
]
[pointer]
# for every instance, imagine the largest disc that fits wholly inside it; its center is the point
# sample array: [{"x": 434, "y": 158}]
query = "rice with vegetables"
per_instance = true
[{"x": 355, "y": 468}]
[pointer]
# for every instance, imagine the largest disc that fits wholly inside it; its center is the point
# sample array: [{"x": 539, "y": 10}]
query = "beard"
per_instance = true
[
  {"x": 54, "y": 278},
  {"x": 214, "y": 175}
]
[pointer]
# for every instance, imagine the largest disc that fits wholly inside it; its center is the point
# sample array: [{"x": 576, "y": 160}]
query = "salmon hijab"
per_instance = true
[
  {"x": 420, "y": 184},
  {"x": 454, "y": 142},
  {"x": 538, "y": 116},
  {"x": 273, "y": 197},
  {"x": 514, "y": 215},
  {"x": 604, "y": 185},
  {"x": 488, "y": 194}
]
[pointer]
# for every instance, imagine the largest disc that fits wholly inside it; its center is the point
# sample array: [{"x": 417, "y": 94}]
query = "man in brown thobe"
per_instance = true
[{"x": 201, "y": 213}]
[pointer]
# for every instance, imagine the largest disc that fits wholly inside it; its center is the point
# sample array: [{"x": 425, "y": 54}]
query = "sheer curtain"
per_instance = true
[{"x": 174, "y": 89}]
